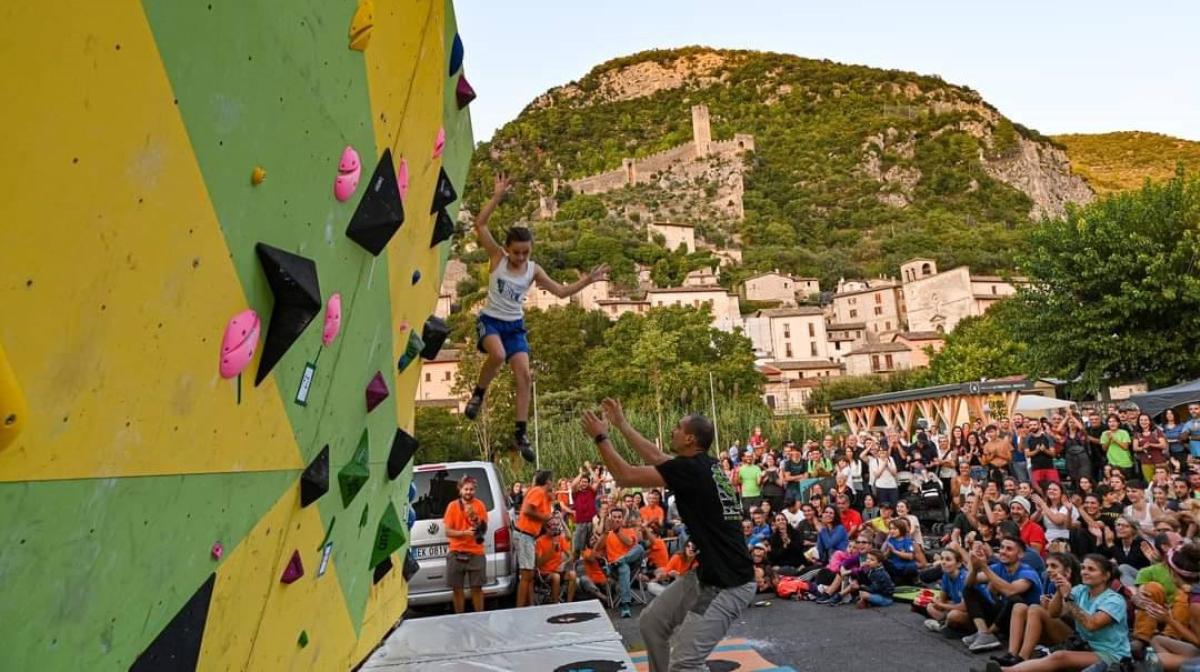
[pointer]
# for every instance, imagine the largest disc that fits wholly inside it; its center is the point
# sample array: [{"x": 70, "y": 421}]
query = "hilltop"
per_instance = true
[
  {"x": 1122, "y": 161},
  {"x": 853, "y": 169}
]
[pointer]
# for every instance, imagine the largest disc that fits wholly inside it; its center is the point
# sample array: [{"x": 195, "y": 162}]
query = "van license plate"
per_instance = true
[{"x": 432, "y": 551}]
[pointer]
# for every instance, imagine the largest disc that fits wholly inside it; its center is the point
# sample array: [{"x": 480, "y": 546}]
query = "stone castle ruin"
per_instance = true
[{"x": 683, "y": 172}]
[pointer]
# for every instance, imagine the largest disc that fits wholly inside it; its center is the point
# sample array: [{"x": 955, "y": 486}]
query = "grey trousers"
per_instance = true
[{"x": 686, "y": 622}]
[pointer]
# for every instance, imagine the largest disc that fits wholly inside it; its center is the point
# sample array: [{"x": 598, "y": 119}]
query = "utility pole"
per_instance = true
[{"x": 712, "y": 396}]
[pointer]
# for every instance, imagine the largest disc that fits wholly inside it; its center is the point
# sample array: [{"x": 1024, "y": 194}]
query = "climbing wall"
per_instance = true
[{"x": 222, "y": 229}]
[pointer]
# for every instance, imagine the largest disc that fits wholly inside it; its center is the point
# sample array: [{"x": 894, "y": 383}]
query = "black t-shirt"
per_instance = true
[
  {"x": 1109, "y": 514},
  {"x": 712, "y": 512},
  {"x": 1041, "y": 460}
]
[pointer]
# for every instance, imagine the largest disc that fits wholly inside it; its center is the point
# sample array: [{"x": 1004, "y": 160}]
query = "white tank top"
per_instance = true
[{"x": 506, "y": 291}]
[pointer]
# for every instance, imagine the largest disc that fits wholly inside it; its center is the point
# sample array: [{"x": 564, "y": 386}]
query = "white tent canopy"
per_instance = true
[{"x": 1036, "y": 404}]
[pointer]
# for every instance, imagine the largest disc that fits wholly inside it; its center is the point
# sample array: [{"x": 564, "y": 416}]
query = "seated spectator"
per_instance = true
[
  {"x": 1031, "y": 625},
  {"x": 831, "y": 536},
  {"x": 618, "y": 543},
  {"x": 764, "y": 575},
  {"x": 787, "y": 547},
  {"x": 869, "y": 509},
  {"x": 850, "y": 568},
  {"x": 681, "y": 563},
  {"x": 876, "y": 588},
  {"x": 593, "y": 576},
  {"x": 1100, "y": 621},
  {"x": 850, "y": 518},
  {"x": 793, "y": 511},
  {"x": 914, "y": 530},
  {"x": 949, "y": 609},
  {"x": 900, "y": 559},
  {"x": 760, "y": 531},
  {"x": 653, "y": 510},
  {"x": 1140, "y": 510},
  {"x": 1157, "y": 587},
  {"x": 807, "y": 528},
  {"x": 553, "y": 555},
  {"x": 966, "y": 520},
  {"x": 1126, "y": 550},
  {"x": 1030, "y": 532},
  {"x": 999, "y": 586},
  {"x": 1180, "y": 640},
  {"x": 1055, "y": 513},
  {"x": 656, "y": 548}
]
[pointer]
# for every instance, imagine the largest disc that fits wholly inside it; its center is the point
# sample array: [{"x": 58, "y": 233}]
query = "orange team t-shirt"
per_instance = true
[
  {"x": 456, "y": 519},
  {"x": 657, "y": 554},
  {"x": 614, "y": 548},
  {"x": 545, "y": 544},
  {"x": 679, "y": 564},
  {"x": 591, "y": 567},
  {"x": 650, "y": 513},
  {"x": 540, "y": 501}
]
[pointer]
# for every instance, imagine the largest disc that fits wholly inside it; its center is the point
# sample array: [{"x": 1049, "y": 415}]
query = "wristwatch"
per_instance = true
[{"x": 600, "y": 437}]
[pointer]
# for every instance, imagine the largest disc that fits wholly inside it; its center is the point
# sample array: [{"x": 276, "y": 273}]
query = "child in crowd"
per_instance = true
[{"x": 876, "y": 587}]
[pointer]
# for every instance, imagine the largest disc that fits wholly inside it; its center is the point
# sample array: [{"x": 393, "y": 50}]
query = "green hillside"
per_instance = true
[
  {"x": 1123, "y": 161},
  {"x": 820, "y": 194}
]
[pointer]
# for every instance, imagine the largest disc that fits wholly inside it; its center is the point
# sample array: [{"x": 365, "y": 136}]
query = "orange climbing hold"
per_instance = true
[{"x": 258, "y": 175}]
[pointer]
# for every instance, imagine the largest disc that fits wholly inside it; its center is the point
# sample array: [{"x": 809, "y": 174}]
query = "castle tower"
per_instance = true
[{"x": 701, "y": 131}]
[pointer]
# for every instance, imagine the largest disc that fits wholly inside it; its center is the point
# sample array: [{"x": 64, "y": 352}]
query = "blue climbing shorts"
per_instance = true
[{"x": 511, "y": 333}]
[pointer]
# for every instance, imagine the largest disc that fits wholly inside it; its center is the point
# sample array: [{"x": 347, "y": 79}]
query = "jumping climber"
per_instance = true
[{"x": 501, "y": 324}]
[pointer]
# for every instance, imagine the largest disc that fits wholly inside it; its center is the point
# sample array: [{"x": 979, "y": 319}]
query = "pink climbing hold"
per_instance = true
[
  {"x": 217, "y": 551},
  {"x": 402, "y": 179},
  {"x": 333, "y": 319},
  {"x": 294, "y": 569},
  {"x": 237, "y": 347},
  {"x": 349, "y": 170},
  {"x": 439, "y": 144},
  {"x": 377, "y": 391}
]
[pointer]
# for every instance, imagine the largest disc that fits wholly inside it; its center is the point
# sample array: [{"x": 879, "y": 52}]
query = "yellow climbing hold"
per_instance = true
[
  {"x": 361, "y": 25},
  {"x": 258, "y": 175},
  {"x": 13, "y": 410}
]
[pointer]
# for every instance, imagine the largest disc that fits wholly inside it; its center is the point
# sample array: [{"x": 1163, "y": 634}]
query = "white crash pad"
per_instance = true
[{"x": 576, "y": 637}]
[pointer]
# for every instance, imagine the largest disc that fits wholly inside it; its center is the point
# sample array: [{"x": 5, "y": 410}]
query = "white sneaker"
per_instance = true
[
  {"x": 970, "y": 639},
  {"x": 934, "y": 625},
  {"x": 984, "y": 642}
]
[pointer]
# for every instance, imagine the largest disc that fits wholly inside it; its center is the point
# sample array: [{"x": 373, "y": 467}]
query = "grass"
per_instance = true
[{"x": 1113, "y": 162}]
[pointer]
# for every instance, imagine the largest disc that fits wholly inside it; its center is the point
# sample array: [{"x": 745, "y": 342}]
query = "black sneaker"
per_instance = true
[
  {"x": 1008, "y": 659},
  {"x": 474, "y": 404},
  {"x": 526, "y": 450}
]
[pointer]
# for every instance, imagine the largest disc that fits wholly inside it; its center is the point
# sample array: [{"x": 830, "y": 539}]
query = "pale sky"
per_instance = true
[{"x": 1055, "y": 66}]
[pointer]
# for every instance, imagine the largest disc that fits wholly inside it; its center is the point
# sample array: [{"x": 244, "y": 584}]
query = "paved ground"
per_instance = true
[{"x": 814, "y": 638}]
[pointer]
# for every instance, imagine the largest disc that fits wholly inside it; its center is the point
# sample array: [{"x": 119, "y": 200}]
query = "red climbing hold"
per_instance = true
[
  {"x": 463, "y": 92},
  {"x": 294, "y": 569},
  {"x": 377, "y": 391}
]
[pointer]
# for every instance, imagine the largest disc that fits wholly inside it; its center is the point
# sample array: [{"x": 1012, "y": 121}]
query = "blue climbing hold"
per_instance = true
[
  {"x": 416, "y": 277},
  {"x": 456, "y": 54},
  {"x": 412, "y": 517},
  {"x": 412, "y": 491}
]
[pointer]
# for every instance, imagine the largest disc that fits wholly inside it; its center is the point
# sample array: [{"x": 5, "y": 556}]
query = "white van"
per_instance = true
[{"x": 437, "y": 486}]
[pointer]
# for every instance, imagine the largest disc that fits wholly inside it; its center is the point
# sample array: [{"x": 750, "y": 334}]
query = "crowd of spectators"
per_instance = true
[{"x": 1060, "y": 543}]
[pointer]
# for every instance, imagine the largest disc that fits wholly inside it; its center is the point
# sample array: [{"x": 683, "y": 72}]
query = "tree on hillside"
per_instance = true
[
  {"x": 1114, "y": 291},
  {"x": 982, "y": 347},
  {"x": 666, "y": 355}
]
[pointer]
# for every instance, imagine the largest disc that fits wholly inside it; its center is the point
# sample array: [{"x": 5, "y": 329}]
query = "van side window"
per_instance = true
[{"x": 436, "y": 489}]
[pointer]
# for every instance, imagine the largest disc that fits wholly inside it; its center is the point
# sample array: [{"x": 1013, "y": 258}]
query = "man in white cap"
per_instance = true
[{"x": 1032, "y": 533}]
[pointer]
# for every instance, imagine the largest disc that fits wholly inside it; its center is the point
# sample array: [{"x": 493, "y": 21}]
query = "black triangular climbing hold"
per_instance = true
[
  {"x": 293, "y": 282},
  {"x": 434, "y": 334},
  {"x": 443, "y": 228},
  {"x": 380, "y": 212},
  {"x": 177, "y": 646},
  {"x": 314, "y": 482},
  {"x": 411, "y": 566},
  {"x": 443, "y": 193},
  {"x": 382, "y": 569},
  {"x": 404, "y": 446}
]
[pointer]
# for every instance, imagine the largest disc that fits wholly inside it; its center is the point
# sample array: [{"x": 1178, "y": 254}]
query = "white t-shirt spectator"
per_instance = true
[
  {"x": 1053, "y": 531},
  {"x": 886, "y": 479}
]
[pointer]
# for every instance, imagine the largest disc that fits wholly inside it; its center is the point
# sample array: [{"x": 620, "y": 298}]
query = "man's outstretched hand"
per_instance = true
[
  {"x": 594, "y": 425},
  {"x": 613, "y": 411},
  {"x": 598, "y": 273}
]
